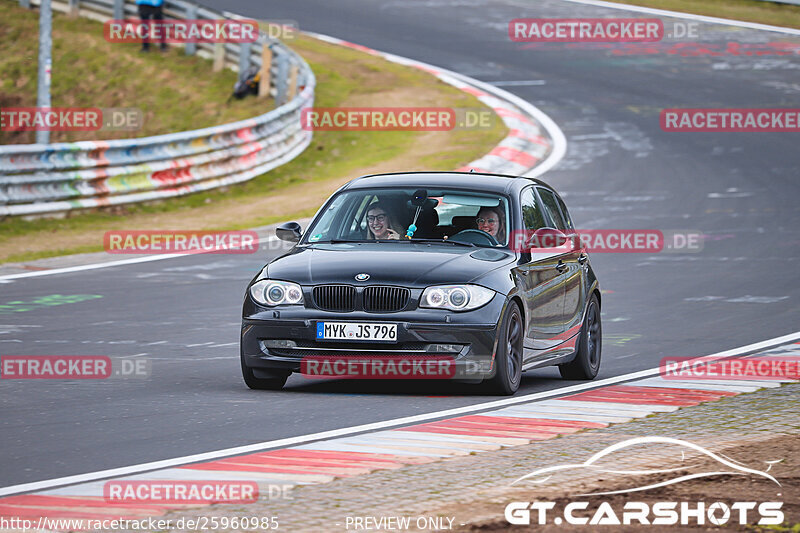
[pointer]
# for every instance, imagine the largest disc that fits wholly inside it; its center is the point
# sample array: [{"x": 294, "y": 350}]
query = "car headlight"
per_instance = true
[
  {"x": 456, "y": 297},
  {"x": 271, "y": 292}
]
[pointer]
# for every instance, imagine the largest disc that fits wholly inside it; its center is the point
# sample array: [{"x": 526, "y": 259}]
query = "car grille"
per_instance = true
[
  {"x": 376, "y": 299},
  {"x": 335, "y": 297},
  {"x": 385, "y": 299}
]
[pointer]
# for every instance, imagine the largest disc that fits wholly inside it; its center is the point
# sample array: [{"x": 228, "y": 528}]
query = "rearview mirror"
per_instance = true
[{"x": 289, "y": 231}]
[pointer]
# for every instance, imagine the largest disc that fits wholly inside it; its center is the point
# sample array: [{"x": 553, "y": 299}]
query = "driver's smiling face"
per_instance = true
[
  {"x": 378, "y": 223},
  {"x": 488, "y": 221}
]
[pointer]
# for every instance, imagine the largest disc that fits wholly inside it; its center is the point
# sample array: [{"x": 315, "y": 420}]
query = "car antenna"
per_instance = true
[{"x": 420, "y": 195}]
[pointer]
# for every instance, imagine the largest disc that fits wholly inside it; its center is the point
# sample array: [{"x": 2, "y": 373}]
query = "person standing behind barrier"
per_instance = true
[{"x": 150, "y": 9}]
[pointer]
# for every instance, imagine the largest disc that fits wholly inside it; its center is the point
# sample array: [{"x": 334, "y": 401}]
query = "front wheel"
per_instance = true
[
  {"x": 587, "y": 359},
  {"x": 508, "y": 362}
]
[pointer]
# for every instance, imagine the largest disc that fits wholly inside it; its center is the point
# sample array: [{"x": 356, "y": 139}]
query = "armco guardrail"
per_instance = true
[{"x": 37, "y": 178}]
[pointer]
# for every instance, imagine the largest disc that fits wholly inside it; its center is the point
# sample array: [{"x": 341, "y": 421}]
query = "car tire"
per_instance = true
[
  {"x": 266, "y": 380},
  {"x": 508, "y": 360},
  {"x": 590, "y": 343}
]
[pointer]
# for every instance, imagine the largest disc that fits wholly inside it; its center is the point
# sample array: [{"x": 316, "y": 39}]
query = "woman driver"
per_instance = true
[
  {"x": 380, "y": 223},
  {"x": 490, "y": 220}
]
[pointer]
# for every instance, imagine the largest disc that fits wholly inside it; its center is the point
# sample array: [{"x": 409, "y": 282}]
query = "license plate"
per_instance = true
[{"x": 356, "y": 331}]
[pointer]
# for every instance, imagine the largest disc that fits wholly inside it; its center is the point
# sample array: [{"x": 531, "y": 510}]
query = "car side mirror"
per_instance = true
[
  {"x": 551, "y": 239},
  {"x": 289, "y": 231}
]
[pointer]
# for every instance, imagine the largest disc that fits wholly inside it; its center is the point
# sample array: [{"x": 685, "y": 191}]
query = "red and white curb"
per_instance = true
[
  {"x": 353, "y": 455},
  {"x": 534, "y": 143}
]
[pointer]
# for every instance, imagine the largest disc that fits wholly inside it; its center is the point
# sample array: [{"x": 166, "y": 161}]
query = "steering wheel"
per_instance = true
[{"x": 474, "y": 236}]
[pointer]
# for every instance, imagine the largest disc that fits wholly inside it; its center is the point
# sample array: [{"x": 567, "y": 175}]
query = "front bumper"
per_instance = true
[{"x": 282, "y": 338}]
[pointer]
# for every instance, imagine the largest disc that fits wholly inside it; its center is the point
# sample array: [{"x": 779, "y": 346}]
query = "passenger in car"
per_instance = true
[
  {"x": 490, "y": 220},
  {"x": 381, "y": 224}
]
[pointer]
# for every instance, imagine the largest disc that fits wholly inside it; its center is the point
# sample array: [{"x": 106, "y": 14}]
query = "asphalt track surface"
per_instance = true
[{"x": 620, "y": 171}]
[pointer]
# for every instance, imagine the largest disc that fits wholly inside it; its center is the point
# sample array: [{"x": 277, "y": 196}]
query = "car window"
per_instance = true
[
  {"x": 445, "y": 213},
  {"x": 564, "y": 212},
  {"x": 532, "y": 217},
  {"x": 551, "y": 205},
  {"x": 359, "y": 222}
]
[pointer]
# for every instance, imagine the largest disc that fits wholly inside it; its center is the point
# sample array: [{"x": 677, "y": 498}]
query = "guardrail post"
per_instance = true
[
  {"x": 219, "y": 56},
  {"x": 281, "y": 80},
  {"x": 191, "y": 14},
  {"x": 264, "y": 76},
  {"x": 73, "y": 8},
  {"x": 25, "y": 4},
  {"x": 119, "y": 10},
  {"x": 45, "y": 63},
  {"x": 292, "y": 91},
  {"x": 244, "y": 59}
]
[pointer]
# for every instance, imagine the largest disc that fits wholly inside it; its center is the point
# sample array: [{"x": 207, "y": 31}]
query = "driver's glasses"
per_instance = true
[
  {"x": 380, "y": 219},
  {"x": 490, "y": 221}
]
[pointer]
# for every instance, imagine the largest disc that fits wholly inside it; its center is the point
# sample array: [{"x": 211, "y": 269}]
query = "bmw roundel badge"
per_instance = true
[{"x": 362, "y": 277}]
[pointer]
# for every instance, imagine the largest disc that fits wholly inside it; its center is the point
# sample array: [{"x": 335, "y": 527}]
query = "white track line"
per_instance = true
[
  {"x": 354, "y": 430},
  {"x": 688, "y": 16}
]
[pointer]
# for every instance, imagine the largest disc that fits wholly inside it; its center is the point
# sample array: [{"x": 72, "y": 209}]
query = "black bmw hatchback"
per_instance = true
[{"x": 467, "y": 276}]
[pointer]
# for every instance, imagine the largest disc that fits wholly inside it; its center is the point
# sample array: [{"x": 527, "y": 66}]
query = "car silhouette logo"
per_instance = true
[{"x": 362, "y": 277}]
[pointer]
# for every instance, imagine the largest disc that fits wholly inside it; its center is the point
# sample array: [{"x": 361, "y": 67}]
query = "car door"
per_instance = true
[
  {"x": 573, "y": 260},
  {"x": 541, "y": 284}
]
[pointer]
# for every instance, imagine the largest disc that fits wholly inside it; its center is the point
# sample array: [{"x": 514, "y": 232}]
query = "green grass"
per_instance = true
[{"x": 774, "y": 14}]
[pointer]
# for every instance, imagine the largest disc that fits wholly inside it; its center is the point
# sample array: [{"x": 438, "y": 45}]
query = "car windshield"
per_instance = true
[{"x": 475, "y": 218}]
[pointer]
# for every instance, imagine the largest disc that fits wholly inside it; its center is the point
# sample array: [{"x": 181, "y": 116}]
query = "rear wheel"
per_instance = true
[
  {"x": 587, "y": 359},
  {"x": 259, "y": 379},
  {"x": 508, "y": 362}
]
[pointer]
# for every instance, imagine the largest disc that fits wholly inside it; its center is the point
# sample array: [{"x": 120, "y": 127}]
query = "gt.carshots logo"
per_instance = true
[
  {"x": 597, "y": 512},
  {"x": 641, "y": 513}
]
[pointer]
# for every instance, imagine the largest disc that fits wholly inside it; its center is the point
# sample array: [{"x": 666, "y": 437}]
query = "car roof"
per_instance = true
[{"x": 475, "y": 181}]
